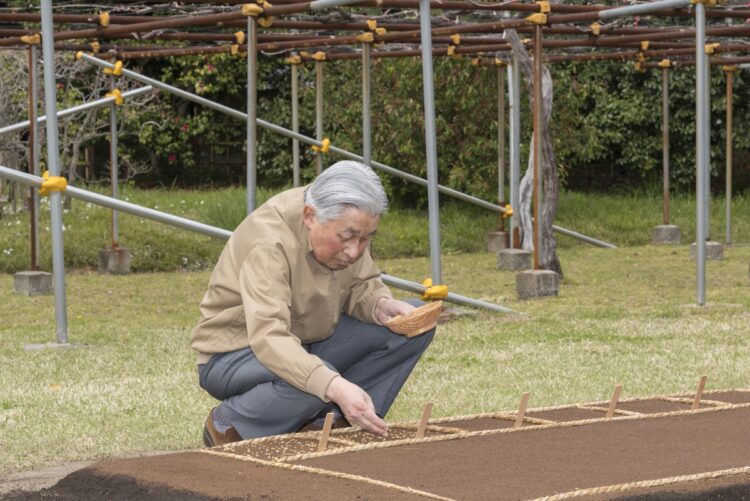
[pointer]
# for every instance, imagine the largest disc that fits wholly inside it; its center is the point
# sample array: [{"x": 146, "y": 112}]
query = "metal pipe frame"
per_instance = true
[
  {"x": 318, "y": 114},
  {"x": 665, "y": 142},
  {"x": 500, "y": 133},
  {"x": 212, "y": 231},
  {"x": 295, "y": 124},
  {"x": 96, "y": 103},
  {"x": 344, "y": 153},
  {"x": 514, "y": 98},
  {"x": 113, "y": 167},
  {"x": 537, "y": 193},
  {"x": 700, "y": 158},
  {"x": 366, "y": 107},
  {"x": 53, "y": 165},
  {"x": 33, "y": 156},
  {"x": 252, "y": 112},
  {"x": 729, "y": 146},
  {"x": 433, "y": 200},
  {"x": 644, "y": 8}
]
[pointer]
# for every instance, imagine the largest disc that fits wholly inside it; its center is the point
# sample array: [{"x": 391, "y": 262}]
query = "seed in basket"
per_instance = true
[{"x": 419, "y": 321}]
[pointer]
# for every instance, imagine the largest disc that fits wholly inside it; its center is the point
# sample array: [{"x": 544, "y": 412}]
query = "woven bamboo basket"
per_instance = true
[{"x": 418, "y": 321}]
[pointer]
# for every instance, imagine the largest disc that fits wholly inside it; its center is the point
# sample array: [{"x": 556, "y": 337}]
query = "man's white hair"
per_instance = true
[{"x": 344, "y": 185}]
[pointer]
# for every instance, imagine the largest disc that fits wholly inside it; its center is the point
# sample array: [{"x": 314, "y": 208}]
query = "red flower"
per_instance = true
[
  {"x": 172, "y": 157},
  {"x": 185, "y": 127},
  {"x": 209, "y": 67}
]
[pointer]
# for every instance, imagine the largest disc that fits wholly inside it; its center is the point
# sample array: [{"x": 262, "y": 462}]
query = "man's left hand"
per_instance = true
[{"x": 388, "y": 307}]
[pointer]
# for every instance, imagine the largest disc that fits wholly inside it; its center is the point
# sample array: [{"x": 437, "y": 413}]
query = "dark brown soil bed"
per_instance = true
[
  {"x": 731, "y": 397},
  {"x": 654, "y": 406},
  {"x": 568, "y": 414},
  {"x": 522, "y": 464}
]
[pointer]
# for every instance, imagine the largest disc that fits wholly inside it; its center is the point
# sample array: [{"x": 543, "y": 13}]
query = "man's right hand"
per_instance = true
[{"x": 357, "y": 406}]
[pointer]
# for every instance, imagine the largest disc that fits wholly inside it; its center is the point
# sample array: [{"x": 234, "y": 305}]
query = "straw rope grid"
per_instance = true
[
  {"x": 328, "y": 473},
  {"x": 481, "y": 433},
  {"x": 608, "y": 489}
]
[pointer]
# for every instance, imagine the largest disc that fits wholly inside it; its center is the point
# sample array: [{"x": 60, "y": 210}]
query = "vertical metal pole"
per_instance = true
[
  {"x": 537, "y": 143},
  {"x": 514, "y": 96},
  {"x": 318, "y": 114},
  {"x": 730, "y": 132},
  {"x": 500, "y": 134},
  {"x": 53, "y": 164},
  {"x": 252, "y": 105},
  {"x": 430, "y": 139},
  {"x": 33, "y": 161},
  {"x": 665, "y": 139},
  {"x": 707, "y": 142},
  {"x": 295, "y": 124},
  {"x": 700, "y": 158},
  {"x": 113, "y": 167},
  {"x": 366, "y": 117}
]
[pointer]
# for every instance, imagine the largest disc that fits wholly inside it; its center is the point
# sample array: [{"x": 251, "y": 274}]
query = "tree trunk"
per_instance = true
[{"x": 548, "y": 259}]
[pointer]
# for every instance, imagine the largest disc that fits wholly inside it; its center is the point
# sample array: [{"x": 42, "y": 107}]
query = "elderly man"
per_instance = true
[{"x": 292, "y": 323}]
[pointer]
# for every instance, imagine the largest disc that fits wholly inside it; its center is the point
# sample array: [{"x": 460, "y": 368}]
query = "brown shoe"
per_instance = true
[
  {"x": 317, "y": 425},
  {"x": 211, "y": 436}
]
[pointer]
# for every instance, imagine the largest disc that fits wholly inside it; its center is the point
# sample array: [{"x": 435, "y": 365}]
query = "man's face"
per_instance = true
[{"x": 340, "y": 242}]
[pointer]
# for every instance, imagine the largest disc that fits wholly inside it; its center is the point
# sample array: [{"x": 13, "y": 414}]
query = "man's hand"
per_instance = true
[
  {"x": 387, "y": 308},
  {"x": 357, "y": 406}
]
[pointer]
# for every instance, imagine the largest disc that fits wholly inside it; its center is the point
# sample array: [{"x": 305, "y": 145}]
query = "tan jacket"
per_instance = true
[{"x": 268, "y": 292}]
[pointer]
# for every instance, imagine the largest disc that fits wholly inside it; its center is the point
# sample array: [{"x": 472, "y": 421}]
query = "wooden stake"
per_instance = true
[
  {"x": 613, "y": 402},
  {"x": 326, "y": 431},
  {"x": 521, "y": 410},
  {"x": 699, "y": 393},
  {"x": 423, "y": 423}
]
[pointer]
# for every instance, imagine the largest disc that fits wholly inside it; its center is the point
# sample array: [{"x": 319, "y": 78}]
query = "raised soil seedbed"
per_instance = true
[{"x": 691, "y": 455}]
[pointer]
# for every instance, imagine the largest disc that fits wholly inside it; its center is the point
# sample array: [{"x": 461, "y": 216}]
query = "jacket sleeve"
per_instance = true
[
  {"x": 367, "y": 288},
  {"x": 267, "y": 297}
]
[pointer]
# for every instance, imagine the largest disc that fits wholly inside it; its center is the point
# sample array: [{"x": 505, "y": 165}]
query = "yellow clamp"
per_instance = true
[
  {"x": 251, "y": 9},
  {"x": 707, "y": 3},
  {"x": 499, "y": 62},
  {"x": 537, "y": 18},
  {"x": 508, "y": 211},
  {"x": 475, "y": 61},
  {"x": 638, "y": 66},
  {"x": 239, "y": 37},
  {"x": 372, "y": 24},
  {"x": 645, "y": 44},
  {"x": 664, "y": 63},
  {"x": 117, "y": 95},
  {"x": 365, "y": 38},
  {"x": 265, "y": 22},
  {"x": 451, "y": 50},
  {"x": 293, "y": 60},
  {"x": 433, "y": 291},
  {"x": 325, "y": 145},
  {"x": 318, "y": 56},
  {"x": 31, "y": 39},
  {"x": 641, "y": 57},
  {"x": 456, "y": 38},
  {"x": 381, "y": 31},
  {"x": 95, "y": 47},
  {"x": 544, "y": 6},
  {"x": 79, "y": 55},
  {"x": 50, "y": 184},
  {"x": 596, "y": 28},
  {"x": 234, "y": 49},
  {"x": 711, "y": 47},
  {"x": 729, "y": 68},
  {"x": 104, "y": 19},
  {"x": 116, "y": 71}
]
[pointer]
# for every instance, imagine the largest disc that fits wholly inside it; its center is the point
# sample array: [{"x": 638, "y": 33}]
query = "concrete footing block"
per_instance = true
[
  {"x": 114, "y": 261},
  {"x": 497, "y": 240},
  {"x": 513, "y": 259},
  {"x": 32, "y": 283},
  {"x": 537, "y": 283},
  {"x": 714, "y": 250},
  {"x": 666, "y": 234}
]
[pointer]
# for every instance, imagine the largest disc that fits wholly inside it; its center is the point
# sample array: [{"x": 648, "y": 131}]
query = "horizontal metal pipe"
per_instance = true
[
  {"x": 644, "y": 8},
  {"x": 96, "y": 103},
  {"x": 453, "y": 298},
  {"x": 286, "y": 132},
  {"x": 211, "y": 231}
]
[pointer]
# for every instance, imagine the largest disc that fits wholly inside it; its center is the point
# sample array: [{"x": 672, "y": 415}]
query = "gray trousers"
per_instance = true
[{"x": 258, "y": 403}]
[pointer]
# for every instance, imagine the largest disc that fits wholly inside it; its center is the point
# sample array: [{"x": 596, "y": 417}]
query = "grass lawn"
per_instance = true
[{"x": 128, "y": 383}]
